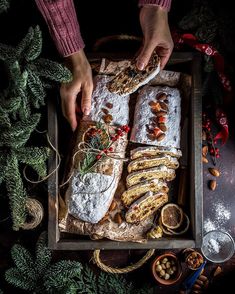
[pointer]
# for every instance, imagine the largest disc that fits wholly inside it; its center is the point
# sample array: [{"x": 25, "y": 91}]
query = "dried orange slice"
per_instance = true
[{"x": 171, "y": 216}]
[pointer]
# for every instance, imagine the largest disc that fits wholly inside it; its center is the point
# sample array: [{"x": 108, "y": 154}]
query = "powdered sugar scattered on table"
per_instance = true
[{"x": 221, "y": 217}]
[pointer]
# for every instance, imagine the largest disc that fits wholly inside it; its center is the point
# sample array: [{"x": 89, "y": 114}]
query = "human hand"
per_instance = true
[
  {"x": 81, "y": 83},
  {"x": 157, "y": 35}
]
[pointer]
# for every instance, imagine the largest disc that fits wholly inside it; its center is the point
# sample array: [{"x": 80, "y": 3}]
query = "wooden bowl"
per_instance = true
[{"x": 171, "y": 263}]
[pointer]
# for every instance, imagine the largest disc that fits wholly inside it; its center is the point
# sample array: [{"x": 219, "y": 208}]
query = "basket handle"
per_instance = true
[
  {"x": 129, "y": 268},
  {"x": 107, "y": 39}
]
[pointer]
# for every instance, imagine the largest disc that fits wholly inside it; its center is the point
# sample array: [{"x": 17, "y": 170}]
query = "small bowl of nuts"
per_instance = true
[
  {"x": 193, "y": 258},
  {"x": 166, "y": 269}
]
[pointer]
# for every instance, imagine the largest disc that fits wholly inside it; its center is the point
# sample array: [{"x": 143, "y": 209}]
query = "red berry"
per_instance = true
[
  {"x": 110, "y": 149},
  {"x": 114, "y": 138},
  {"x": 215, "y": 142},
  {"x": 217, "y": 156},
  {"x": 105, "y": 151},
  {"x": 217, "y": 149},
  {"x": 119, "y": 132},
  {"x": 98, "y": 156},
  {"x": 212, "y": 152},
  {"x": 208, "y": 129}
]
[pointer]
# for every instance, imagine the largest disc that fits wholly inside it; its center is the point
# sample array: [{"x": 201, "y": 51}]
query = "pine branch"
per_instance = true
[
  {"x": 19, "y": 133},
  {"x": 3, "y": 165},
  {"x": 36, "y": 46},
  {"x": 51, "y": 70},
  {"x": 7, "y": 53},
  {"x": 35, "y": 90},
  {"x": 17, "y": 279},
  {"x": 24, "y": 45},
  {"x": 4, "y": 5},
  {"x": 43, "y": 254},
  {"x": 16, "y": 192},
  {"x": 35, "y": 157},
  {"x": 87, "y": 281},
  {"x": 23, "y": 260},
  {"x": 9, "y": 105},
  {"x": 60, "y": 274}
]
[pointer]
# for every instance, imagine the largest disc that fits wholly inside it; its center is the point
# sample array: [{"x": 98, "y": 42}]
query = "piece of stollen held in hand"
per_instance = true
[{"x": 131, "y": 78}]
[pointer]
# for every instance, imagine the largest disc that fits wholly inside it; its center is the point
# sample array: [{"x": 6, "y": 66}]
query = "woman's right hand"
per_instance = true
[{"x": 81, "y": 83}]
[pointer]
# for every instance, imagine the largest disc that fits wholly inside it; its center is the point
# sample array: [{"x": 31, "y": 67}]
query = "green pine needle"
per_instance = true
[
  {"x": 16, "y": 191},
  {"x": 4, "y": 5},
  {"x": 36, "y": 46}
]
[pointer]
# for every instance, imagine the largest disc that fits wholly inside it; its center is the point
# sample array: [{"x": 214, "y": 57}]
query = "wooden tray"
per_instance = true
[{"x": 184, "y": 62}]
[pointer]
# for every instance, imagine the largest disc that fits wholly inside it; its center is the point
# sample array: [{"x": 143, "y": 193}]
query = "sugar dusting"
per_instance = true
[{"x": 221, "y": 217}]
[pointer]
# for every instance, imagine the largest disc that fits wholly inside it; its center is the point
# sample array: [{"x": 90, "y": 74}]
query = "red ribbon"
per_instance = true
[{"x": 209, "y": 50}]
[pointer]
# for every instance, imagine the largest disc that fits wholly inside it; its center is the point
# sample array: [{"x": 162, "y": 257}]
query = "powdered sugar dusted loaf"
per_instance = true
[
  {"x": 104, "y": 102},
  {"x": 91, "y": 195},
  {"x": 157, "y": 117}
]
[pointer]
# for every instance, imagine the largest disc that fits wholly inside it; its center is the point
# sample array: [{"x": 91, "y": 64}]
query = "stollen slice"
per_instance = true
[
  {"x": 152, "y": 161},
  {"x": 138, "y": 190},
  {"x": 145, "y": 206},
  {"x": 153, "y": 151},
  {"x": 160, "y": 172}
]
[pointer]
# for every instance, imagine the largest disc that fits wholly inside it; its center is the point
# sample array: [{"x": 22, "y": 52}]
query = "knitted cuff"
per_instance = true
[{"x": 163, "y": 3}]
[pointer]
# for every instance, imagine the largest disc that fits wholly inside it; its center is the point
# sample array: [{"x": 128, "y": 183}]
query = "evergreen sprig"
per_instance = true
[
  {"x": 28, "y": 77},
  {"x": 4, "y": 5},
  {"x": 38, "y": 274}
]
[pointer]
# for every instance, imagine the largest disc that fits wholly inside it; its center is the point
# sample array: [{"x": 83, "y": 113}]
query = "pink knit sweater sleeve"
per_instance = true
[{"x": 62, "y": 22}]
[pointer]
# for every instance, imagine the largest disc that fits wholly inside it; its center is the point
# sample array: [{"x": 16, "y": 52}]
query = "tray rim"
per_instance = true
[{"x": 55, "y": 241}]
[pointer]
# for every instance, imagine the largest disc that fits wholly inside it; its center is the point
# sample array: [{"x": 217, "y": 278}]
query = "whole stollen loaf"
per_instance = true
[
  {"x": 145, "y": 117},
  {"x": 90, "y": 195}
]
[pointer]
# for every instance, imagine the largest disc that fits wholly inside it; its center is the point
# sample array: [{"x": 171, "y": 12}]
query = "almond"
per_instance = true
[
  {"x": 212, "y": 185},
  {"x": 109, "y": 105},
  {"x": 161, "y": 113},
  {"x": 214, "y": 171},
  {"x": 162, "y": 127},
  {"x": 204, "y": 150},
  {"x": 156, "y": 107},
  {"x": 204, "y": 159},
  {"x": 161, "y": 137},
  {"x": 217, "y": 271},
  {"x": 203, "y": 135},
  {"x": 107, "y": 118},
  {"x": 161, "y": 96},
  {"x": 163, "y": 106},
  {"x": 113, "y": 205},
  {"x": 105, "y": 110},
  {"x": 118, "y": 218},
  {"x": 203, "y": 278},
  {"x": 104, "y": 219}
]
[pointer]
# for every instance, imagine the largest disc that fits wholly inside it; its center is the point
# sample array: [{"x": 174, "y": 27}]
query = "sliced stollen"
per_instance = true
[
  {"x": 105, "y": 103},
  {"x": 160, "y": 172},
  {"x": 130, "y": 78},
  {"x": 145, "y": 206},
  {"x": 138, "y": 190},
  {"x": 153, "y": 151},
  {"x": 152, "y": 161},
  {"x": 157, "y": 117}
]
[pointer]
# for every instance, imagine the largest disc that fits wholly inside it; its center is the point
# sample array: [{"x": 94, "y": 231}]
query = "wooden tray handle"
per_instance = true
[
  {"x": 107, "y": 39},
  {"x": 129, "y": 268}
]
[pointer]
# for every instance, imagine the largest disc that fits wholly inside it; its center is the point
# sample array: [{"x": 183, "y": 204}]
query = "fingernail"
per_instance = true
[
  {"x": 140, "y": 65},
  {"x": 86, "y": 111}
]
